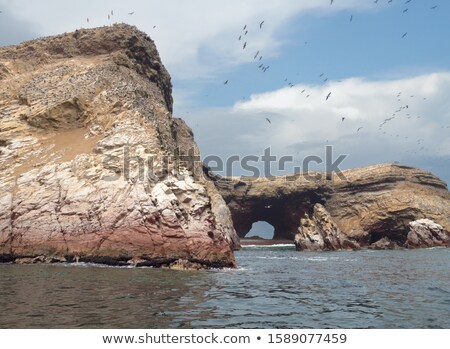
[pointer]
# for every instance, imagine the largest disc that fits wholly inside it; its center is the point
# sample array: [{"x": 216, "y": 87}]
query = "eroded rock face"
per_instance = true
[
  {"x": 320, "y": 233},
  {"x": 426, "y": 233},
  {"x": 371, "y": 208},
  {"x": 93, "y": 166}
]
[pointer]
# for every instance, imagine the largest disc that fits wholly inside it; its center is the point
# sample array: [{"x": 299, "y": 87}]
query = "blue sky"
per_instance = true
[{"x": 366, "y": 61}]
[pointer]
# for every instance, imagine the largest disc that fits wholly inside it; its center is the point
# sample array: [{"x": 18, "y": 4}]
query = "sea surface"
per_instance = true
[{"x": 274, "y": 287}]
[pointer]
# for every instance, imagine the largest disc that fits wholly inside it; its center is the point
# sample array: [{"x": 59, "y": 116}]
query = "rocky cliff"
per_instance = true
[
  {"x": 382, "y": 206},
  {"x": 93, "y": 165}
]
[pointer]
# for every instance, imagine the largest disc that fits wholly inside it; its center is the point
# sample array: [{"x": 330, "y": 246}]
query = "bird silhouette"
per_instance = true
[
  {"x": 351, "y": 18},
  {"x": 245, "y": 45},
  {"x": 261, "y": 24},
  {"x": 328, "y": 96},
  {"x": 130, "y": 13},
  {"x": 404, "y": 35},
  {"x": 268, "y": 120},
  {"x": 256, "y": 55},
  {"x": 359, "y": 129},
  {"x": 433, "y": 7},
  {"x": 342, "y": 119},
  {"x": 226, "y": 82}
]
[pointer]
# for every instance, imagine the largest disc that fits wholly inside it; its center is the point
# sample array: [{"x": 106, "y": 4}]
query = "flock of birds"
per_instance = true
[
  {"x": 111, "y": 14},
  {"x": 263, "y": 67}
]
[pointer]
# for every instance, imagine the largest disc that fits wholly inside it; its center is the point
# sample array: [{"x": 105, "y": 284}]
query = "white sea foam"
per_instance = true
[{"x": 268, "y": 246}]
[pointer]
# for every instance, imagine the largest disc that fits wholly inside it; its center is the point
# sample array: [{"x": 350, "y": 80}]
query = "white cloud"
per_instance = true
[
  {"x": 196, "y": 38},
  {"x": 303, "y": 125}
]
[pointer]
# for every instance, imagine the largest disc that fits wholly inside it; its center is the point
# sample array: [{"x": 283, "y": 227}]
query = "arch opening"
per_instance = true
[{"x": 261, "y": 230}]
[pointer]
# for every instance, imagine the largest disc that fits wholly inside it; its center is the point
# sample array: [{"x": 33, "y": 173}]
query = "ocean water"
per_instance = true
[{"x": 274, "y": 287}]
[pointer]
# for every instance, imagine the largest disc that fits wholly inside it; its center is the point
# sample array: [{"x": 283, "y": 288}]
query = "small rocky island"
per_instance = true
[{"x": 94, "y": 168}]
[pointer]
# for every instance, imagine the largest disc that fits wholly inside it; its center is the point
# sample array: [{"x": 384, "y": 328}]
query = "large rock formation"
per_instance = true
[
  {"x": 93, "y": 166},
  {"x": 372, "y": 207}
]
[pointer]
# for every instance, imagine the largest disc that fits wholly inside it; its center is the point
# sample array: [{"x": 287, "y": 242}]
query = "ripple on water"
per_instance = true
[{"x": 271, "y": 288}]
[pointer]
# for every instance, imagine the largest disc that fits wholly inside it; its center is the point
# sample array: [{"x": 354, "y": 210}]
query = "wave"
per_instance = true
[{"x": 268, "y": 246}]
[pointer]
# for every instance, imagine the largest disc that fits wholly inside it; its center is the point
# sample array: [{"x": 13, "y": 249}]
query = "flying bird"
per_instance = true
[
  {"x": 328, "y": 96},
  {"x": 246, "y": 32},
  {"x": 130, "y": 13},
  {"x": 343, "y": 118},
  {"x": 240, "y": 37},
  {"x": 261, "y": 24},
  {"x": 351, "y": 18},
  {"x": 404, "y": 35},
  {"x": 268, "y": 120},
  {"x": 331, "y": 3},
  {"x": 245, "y": 27},
  {"x": 432, "y": 8},
  {"x": 359, "y": 129},
  {"x": 87, "y": 20},
  {"x": 405, "y": 10},
  {"x": 226, "y": 82},
  {"x": 245, "y": 45},
  {"x": 256, "y": 55}
]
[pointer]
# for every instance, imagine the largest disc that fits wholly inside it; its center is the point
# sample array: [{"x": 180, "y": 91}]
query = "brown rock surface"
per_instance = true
[
  {"x": 426, "y": 233},
  {"x": 320, "y": 232},
  {"x": 92, "y": 165},
  {"x": 371, "y": 207}
]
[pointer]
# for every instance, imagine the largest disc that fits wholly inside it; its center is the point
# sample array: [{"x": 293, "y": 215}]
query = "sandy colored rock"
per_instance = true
[
  {"x": 426, "y": 233},
  {"x": 93, "y": 165},
  {"x": 369, "y": 207},
  {"x": 320, "y": 233}
]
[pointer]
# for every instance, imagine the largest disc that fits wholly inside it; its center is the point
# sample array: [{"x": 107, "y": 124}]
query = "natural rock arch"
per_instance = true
[
  {"x": 277, "y": 201},
  {"x": 368, "y": 207}
]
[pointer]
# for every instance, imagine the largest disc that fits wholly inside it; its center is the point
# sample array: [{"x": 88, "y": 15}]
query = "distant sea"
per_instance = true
[{"x": 274, "y": 287}]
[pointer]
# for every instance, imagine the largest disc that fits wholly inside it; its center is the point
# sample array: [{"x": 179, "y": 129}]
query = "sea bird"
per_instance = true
[
  {"x": 268, "y": 120},
  {"x": 261, "y": 24},
  {"x": 328, "y": 96}
]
